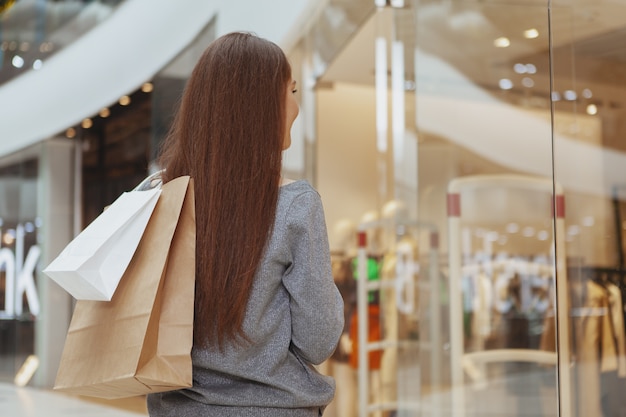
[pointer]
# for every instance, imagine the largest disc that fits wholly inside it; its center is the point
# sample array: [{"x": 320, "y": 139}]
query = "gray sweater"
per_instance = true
[{"x": 294, "y": 319}]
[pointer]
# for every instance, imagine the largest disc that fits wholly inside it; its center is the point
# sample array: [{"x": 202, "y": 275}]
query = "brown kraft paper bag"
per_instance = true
[{"x": 140, "y": 341}]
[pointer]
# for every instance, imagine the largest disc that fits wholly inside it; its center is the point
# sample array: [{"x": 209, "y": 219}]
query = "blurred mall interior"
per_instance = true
[{"x": 479, "y": 145}]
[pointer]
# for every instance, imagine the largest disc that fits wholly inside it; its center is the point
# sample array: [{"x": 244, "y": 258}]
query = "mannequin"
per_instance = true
[
  {"x": 343, "y": 237},
  {"x": 370, "y": 223},
  {"x": 399, "y": 253},
  {"x": 344, "y": 250}
]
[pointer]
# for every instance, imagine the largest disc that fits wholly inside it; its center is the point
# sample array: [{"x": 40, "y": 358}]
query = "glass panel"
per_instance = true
[
  {"x": 120, "y": 144},
  {"x": 483, "y": 128},
  {"x": 331, "y": 30},
  {"x": 33, "y": 30},
  {"x": 589, "y": 65},
  {"x": 169, "y": 84},
  {"x": 18, "y": 252}
]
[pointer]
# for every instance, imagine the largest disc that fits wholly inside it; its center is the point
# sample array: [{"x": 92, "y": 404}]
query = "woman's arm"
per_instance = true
[{"x": 316, "y": 305}]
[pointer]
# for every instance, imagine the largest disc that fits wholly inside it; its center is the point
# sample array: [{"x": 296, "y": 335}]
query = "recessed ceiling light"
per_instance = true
[
  {"x": 519, "y": 68},
  {"x": 570, "y": 95},
  {"x": 502, "y": 42},
  {"x": 17, "y": 61},
  {"x": 531, "y": 33},
  {"x": 505, "y": 84},
  {"x": 592, "y": 109}
]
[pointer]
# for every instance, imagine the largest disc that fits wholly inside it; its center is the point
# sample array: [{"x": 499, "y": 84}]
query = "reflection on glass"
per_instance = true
[
  {"x": 19, "y": 255},
  {"x": 31, "y": 31},
  {"x": 405, "y": 111},
  {"x": 590, "y": 162},
  {"x": 485, "y": 175}
]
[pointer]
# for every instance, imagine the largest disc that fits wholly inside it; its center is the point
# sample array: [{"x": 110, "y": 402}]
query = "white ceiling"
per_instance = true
[
  {"x": 591, "y": 35},
  {"x": 456, "y": 40}
]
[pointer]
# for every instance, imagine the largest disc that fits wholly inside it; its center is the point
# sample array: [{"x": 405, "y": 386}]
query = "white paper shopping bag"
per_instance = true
[{"x": 91, "y": 266}]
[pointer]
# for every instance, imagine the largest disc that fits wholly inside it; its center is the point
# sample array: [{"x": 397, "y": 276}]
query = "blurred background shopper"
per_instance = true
[{"x": 266, "y": 306}]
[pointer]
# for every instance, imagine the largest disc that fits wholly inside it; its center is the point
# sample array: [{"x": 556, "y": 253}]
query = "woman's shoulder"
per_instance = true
[
  {"x": 291, "y": 190},
  {"x": 290, "y": 186},
  {"x": 286, "y": 181}
]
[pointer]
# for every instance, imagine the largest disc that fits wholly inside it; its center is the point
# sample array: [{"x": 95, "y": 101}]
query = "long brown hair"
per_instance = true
[{"x": 228, "y": 135}]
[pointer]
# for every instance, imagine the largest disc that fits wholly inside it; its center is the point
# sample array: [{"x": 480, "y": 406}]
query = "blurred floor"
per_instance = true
[
  {"x": 520, "y": 394},
  {"x": 33, "y": 402}
]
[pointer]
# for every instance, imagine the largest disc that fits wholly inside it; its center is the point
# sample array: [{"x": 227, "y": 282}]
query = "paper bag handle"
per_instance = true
[{"x": 151, "y": 182}]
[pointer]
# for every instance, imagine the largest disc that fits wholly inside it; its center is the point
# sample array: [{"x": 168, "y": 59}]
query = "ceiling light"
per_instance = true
[
  {"x": 512, "y": 228},
  {"x": 556, "y": 96},
  {"x": 37, "y": 64},
  {"x": 592, "y": 109},
  {"x": 104, "y": 113},
  {"x": 24, "y": 46},
  {"x": 147, "y": 87},
  {"x": 45, "y": 47},
  {"x": 587, "y": 93},
  {"x": 531, "y": 33},
  {"x": 506, "y": 84},
  {"x": 502, "y": 42},
  {"x": 17, "y": 61},
  {"x": 29, "y": 227},
  {"x": 70, "y": 133},
  {"x": 519, "y": 68},
  {"x": 531, "y": 69},
  {"x": 124, "y": 100},
  {"x": 528, "y": 82},
  {"x": 570, "y": 95},
  {"x": 8, "y": 238},
  {"x": 87, "y": 123}
]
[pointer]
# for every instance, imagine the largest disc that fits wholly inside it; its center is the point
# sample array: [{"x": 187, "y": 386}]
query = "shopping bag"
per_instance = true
[
  {"x": 140, "y": 341},
  {"x": 91, "y": 266}
]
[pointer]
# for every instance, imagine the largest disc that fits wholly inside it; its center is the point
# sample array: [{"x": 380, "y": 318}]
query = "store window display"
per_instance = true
[
  {"x": 391, "y": 272},
  {"x": 19, "y": 256}
]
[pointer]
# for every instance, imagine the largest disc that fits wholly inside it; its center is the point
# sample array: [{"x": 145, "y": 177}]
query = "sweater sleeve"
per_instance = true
[{"x": 315, "y": 302}]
